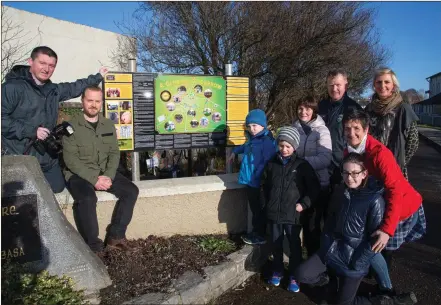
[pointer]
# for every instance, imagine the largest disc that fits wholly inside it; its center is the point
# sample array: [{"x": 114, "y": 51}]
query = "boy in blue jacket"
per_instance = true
[{"x": 257, "y": 151}]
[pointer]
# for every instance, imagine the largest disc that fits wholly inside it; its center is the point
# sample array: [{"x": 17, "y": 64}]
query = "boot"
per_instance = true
[
  {"x": 381, "y": 300},
  {"x": 402, "y": 299},
  {"x": 385, "y": 291},
  {"x": 119, "y": 244},
  {"x": 389, "y": 292},
  {"x": 101, "y": 254},
  {"x": 405, "y": 299}
]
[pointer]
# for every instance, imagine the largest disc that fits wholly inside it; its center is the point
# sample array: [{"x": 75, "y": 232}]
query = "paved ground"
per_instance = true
[
  {"x": 433, "y": 135},
  {"x": 417, "y": 266}
]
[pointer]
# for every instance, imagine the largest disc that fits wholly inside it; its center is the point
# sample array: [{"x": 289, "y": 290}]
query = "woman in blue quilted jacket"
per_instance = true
[{"x": 355, "y": 212}]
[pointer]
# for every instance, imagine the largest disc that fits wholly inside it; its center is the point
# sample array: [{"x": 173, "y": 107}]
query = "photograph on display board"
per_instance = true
[
  {"x": 112, "y": 106},
  {"x": 125, "y": 105},
  {"x": 125, "y": 144},
  {"x": 118, "y": 132},
  {"x": 190, "y": 104},
  {"x": 113, "y": 116},
  {"x": 118, "y": 91},
  {"x": 113, "y": 92},
  {"x": 126, "y": 117},
  {"x": 126, "y": 132}
]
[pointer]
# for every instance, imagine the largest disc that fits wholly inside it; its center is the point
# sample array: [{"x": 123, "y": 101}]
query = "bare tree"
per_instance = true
[
  {"x": 412, "y": 96},
  {"x": 126, "y": 49},
  {"x": 422, "y": 94},
  {"x": 286, "y": 48},
  {"x": 15, "y": 43}
]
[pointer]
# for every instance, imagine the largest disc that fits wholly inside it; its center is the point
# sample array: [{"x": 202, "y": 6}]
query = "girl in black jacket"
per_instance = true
[
  {"x": 290, "y": 186},
  {"x": 355, "y": 212}
]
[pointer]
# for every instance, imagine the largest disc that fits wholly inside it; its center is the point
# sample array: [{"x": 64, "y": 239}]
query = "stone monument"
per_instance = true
[{"x": 36, "y": 233}]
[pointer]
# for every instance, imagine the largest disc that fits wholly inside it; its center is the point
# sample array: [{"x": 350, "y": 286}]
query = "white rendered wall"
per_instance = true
[{"x": 81, "y": 49}]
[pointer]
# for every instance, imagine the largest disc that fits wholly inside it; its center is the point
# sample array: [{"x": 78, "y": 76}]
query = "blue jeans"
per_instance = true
[{"x": 379, "y": 265}]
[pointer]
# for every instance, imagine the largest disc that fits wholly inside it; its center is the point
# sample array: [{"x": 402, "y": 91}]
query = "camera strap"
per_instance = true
[{"x": 28, "y": 148}]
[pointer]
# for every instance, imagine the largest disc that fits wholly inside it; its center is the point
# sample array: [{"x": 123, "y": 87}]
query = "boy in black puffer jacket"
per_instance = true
[{"x": 290, "y": 186}]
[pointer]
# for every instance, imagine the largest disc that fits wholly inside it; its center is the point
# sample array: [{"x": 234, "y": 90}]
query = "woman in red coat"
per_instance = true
[{"x": 404, "y": 219}]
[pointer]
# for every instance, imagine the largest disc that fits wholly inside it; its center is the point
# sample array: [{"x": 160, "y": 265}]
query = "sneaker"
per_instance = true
[
  {"x": 293, "y": 286},
  {"x": 405, "y": 299},
  {"x": 275, "y": 279},
  {"x": 253, "y": 239}
]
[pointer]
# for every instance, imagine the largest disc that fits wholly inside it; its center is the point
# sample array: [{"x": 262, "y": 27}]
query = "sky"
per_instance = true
[{"x": 410, "y": 30}]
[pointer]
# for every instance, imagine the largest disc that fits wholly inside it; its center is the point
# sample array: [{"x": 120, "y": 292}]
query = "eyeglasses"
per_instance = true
[{"x": 353, "y": 174}]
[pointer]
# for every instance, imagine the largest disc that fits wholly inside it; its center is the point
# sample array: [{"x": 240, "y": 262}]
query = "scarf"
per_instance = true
[
  {"x": 383, "y": 107},
  {"x": 361, "y": 148},
  {"x": 306, "y": 128}
]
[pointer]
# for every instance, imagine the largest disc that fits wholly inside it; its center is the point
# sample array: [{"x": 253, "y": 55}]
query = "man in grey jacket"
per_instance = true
[{"x": 30, "y": 109}]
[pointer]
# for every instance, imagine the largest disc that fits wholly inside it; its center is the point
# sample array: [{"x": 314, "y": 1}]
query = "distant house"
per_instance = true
[
  {"x": 434, "y": 84},
  {"x": 429, "y": 111}
]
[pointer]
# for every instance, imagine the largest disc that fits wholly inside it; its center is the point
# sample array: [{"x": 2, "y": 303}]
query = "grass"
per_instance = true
[{"x": 214, "y": 244}]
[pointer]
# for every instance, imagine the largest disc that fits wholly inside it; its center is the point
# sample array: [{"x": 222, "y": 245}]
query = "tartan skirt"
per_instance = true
[{"x": 410, "y": 229}]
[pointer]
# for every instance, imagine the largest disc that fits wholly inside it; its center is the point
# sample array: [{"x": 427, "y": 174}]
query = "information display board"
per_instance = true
[
  {"x": 190, "y": 104},
  {"x": 168, "y": 111},
  {"x": 144, "y": 111},
  {"x": 118, "y": 97}
]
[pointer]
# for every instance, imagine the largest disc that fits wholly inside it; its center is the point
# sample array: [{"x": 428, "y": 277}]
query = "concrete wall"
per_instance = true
[
  {"x": 194, "y": 205},
  {"x": 81, "y": 49}
]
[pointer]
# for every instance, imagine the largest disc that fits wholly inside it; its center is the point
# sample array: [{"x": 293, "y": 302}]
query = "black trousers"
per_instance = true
[
  {"x": 55, "y": 178},
  {"x": 310, "y": 271},
  {"x": 312, "y": 227},
  {"x": 84, "y": 208},
  {"x": 295, "y": 246},
  {"x": 256, "y": 202}
]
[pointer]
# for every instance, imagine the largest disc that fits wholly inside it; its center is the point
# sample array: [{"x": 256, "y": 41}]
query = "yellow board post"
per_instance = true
[
  {"x": 238, "y": 93},
  {"x": 118, "y": 103}
]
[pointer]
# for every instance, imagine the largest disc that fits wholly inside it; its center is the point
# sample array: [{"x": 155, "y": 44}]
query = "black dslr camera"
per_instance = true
[{"x": 52, "y": 144}]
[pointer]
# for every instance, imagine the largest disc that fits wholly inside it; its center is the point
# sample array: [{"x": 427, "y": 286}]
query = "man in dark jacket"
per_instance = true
[
  {"x": 30, "y": 109},
  {"x": 332, "y": 110}
]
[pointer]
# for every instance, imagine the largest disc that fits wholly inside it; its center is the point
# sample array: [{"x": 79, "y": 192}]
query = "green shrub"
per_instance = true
[
  {"x": 19, "y": 287},
  {"x": 213, "y": 244},
  {"x": 70, "y": 111}
]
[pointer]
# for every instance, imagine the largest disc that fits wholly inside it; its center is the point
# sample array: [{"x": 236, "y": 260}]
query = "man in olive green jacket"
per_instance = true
[{"x": 91, "y": 156}]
